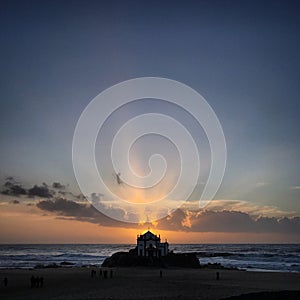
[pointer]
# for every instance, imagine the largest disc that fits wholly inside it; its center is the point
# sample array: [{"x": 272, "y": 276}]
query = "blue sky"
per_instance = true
[{"x": 242, "y": 56}]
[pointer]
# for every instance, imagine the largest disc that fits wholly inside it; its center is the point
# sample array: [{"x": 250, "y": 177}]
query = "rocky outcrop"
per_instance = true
[{"x": 131, "y": 259}]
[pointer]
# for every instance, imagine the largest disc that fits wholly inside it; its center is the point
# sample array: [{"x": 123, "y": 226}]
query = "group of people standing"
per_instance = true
[
  {"x": 36, "y": 281},
  {"x": 102, "y": 273},
  {"x": 5, "y": 281}
]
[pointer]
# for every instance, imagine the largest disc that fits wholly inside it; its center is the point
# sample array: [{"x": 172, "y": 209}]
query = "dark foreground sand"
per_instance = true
[{"x": 141, "y": 283}]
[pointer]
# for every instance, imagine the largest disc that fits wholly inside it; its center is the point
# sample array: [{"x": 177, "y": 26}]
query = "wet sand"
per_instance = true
[{"x": 142, "y": 283}]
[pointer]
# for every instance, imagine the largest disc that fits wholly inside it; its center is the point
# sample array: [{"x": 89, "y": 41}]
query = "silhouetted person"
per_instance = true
[
  {"x": 160, "y": 273},
  {"x": 41, "y": 281},
  {"x": 93, "y": 273},
  {"x": 100, "y": 272},
  {"x": 218, "y": 276},
  {"x": 37, "y": 282},
  {"x": 111, "y": 273},
  {"x": 32, "y": 281},
  {"x": 105, "y": 274},
  {"x": 5, "y": 281}
]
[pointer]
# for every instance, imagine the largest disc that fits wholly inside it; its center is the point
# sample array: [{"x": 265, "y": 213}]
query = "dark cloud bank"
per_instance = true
[
  {"x": 206, "y": 221},
  {"x": 13, "y": 188}
]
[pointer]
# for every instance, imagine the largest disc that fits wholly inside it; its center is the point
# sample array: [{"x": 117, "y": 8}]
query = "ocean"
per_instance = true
[{"x": 250, "y": 257}]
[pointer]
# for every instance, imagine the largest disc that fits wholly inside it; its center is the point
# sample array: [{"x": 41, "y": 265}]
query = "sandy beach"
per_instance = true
[{"x": 142, "y": 283}]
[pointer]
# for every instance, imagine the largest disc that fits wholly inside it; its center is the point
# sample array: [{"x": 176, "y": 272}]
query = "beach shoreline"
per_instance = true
[{"x": 143, "y": 283}]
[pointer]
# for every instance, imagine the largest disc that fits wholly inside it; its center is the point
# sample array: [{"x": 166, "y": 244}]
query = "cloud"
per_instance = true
[
  {"x": 261, "y": 183},
  {"x": 80, "y": 212},
  {"x": 180, "y": 220},
  {"x": 58, "y": 186},
  {"x": 222, "y": 221},
  {"x": 208, "y": 221},
  {"x": 236, "y": 221},
  {"x": 96, "y": 197},
  {"x": 11, "y": 187},
  {"x": 42, "y": 191},
  {"x": 173, "y": 221},
  {"x": 295, "y": 187},
  {"x": 253, "y": 209}
]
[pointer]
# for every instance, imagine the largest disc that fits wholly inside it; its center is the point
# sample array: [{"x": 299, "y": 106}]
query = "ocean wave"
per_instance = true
[{"x": 248, "y": 257}]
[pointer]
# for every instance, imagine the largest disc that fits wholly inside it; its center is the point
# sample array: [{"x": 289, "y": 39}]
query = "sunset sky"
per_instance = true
[{"x": 241, "y": 56}]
